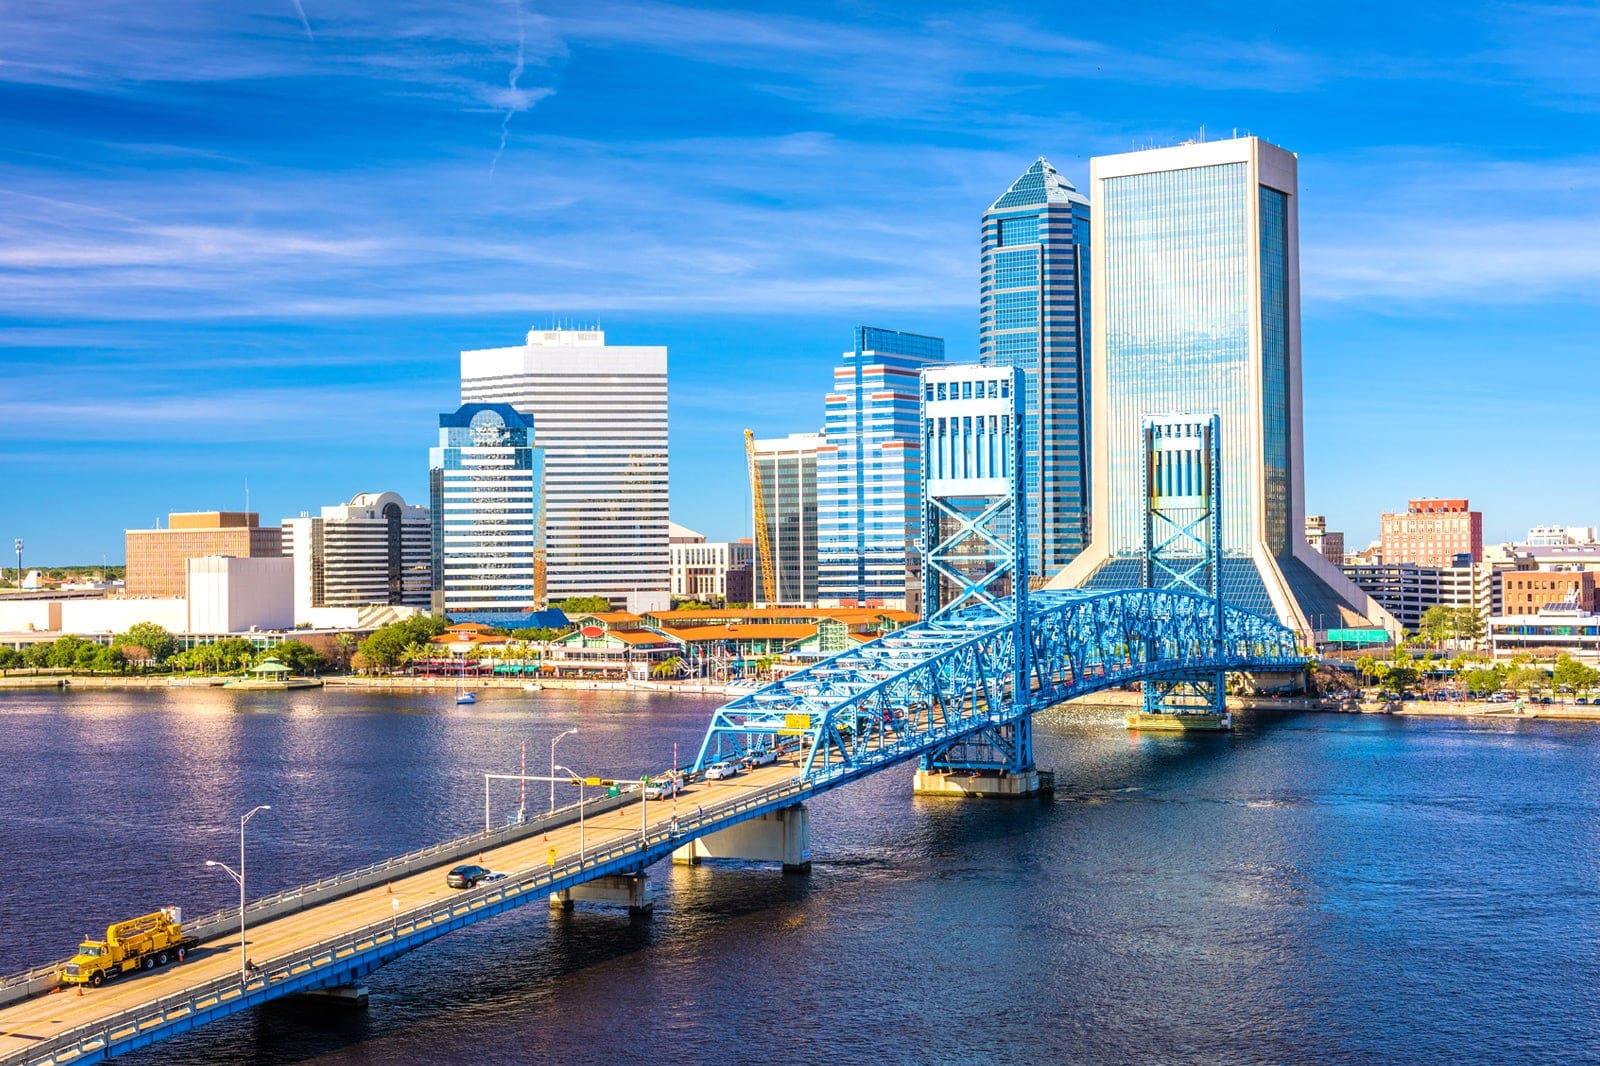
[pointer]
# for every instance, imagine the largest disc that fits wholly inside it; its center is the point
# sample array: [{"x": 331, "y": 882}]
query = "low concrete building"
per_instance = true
[
  {"x": 1547, "y": 536},
  {"x": 1548, "y": 632},
  {"x": 233, "y": 595}
]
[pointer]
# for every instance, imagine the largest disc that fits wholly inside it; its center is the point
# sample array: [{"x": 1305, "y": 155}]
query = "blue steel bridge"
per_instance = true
[{"x": 956, "y": 693}]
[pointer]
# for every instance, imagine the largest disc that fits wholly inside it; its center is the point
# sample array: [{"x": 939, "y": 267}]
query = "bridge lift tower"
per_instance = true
[
  {"x": 975, "y": 566},
  {"x": 1181, "y": 482}
]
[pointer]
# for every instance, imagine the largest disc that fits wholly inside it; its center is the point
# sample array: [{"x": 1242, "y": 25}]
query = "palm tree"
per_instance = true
[{"x": 667, "y": 668}]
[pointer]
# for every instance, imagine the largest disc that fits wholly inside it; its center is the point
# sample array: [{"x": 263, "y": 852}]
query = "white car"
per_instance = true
[
  {"x": 761, "y": 757},
  {"x": 721, "y": 771},
  {"x": 658, "y": 790}
]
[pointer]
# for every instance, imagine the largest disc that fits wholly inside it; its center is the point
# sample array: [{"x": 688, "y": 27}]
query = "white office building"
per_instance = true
[
  {"x": 710, "y": 571},
  {"x": 372, "y": 550},
  {"x": 601, "y": 411}
]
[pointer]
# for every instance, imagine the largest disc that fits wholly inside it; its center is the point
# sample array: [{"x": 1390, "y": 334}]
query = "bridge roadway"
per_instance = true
[{"x": 33, "y": 1024}]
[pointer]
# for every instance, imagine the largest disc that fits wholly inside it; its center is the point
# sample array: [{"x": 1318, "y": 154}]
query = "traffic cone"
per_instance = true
[
  {"x": 80, "y": 990},
  {"x": 389, "y": 888}
]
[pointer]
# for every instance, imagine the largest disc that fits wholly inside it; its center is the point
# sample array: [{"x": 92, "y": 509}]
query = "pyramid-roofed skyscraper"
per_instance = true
[{"x": 1034, "y": 315}]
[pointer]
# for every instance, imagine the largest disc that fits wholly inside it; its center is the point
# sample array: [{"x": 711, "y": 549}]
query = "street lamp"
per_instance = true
[
  {"x": 19, "y": 562},
  {"x": 579, "y": 779},
  {"x": 553, "y": 742},
  {"x": 238, "y": 876}
]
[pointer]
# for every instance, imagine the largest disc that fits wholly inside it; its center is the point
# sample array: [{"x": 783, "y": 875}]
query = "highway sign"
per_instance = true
[{"x": 1359, "y": 636}]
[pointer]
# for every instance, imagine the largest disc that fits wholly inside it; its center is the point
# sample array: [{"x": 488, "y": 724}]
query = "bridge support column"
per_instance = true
[
  {"x": 1191, "y": 704},
  {"x": 353, "y": 995},
  {"x": 782, "y": 836},
  {"x": 631, "y": 890},
  {"x": 986, "y": 784}
]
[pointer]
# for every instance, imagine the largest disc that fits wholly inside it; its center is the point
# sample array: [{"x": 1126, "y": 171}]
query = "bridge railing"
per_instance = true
[
  {"x": 17, "y": 986},
  {"x": 229, "y": 993}
]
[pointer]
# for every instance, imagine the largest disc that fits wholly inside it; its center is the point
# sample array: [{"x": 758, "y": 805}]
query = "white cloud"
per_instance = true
[{"x": 1412, "y": 228}]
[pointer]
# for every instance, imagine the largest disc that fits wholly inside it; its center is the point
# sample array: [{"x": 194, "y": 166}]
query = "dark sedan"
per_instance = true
[{"x": 466, "y": 876}]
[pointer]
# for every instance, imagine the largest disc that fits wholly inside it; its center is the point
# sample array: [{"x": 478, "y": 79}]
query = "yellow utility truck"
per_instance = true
[{"x": 141, "y": 943}]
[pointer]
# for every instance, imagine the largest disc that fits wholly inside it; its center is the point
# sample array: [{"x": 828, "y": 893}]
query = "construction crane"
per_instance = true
[{"x": 769, "y": 580}]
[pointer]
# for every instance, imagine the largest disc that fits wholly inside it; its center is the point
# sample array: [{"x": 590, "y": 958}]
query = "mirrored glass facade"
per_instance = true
[
  {"x": 1196, "y": 283},
  {"x": 1274, "y": 207},
  {"x": 1177, "y": 328},
  {"x": 487, "y": 504},
  {"x": 869, "y": 472},
  {"x": 788, "y": 468},
  {"x": 1033, "y": 314}
]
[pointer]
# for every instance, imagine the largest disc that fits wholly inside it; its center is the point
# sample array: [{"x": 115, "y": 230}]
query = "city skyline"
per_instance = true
[{"x": 254, "y": 243}]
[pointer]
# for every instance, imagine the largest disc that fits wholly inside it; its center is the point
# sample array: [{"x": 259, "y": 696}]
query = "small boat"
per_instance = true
[
  {"x": 532, "y": 686},
  {"x": 466, "y": 697}
]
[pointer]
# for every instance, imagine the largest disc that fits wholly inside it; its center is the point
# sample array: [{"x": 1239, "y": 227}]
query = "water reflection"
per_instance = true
[{"x": 1309, "y": 888}]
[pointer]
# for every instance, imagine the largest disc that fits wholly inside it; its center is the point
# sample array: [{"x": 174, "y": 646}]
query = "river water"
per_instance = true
[{"x": 1309, "y": 888}]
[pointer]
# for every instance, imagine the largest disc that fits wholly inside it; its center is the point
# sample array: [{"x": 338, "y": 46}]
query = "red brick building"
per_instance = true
[{"x": 1433, "y": 533}]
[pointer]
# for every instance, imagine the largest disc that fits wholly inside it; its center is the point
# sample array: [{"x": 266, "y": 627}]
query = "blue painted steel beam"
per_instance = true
[{"x": 911, "y": 691}]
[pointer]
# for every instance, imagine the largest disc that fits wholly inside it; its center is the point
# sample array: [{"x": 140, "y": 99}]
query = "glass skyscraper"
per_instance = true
[
  {"x": 788, "y": 468},
  {"x": 486, "y": 482},
  {"x": 1034, "y": 314},
  {"x": 1197, "y": 295},
  {"x": 869, "y": 471}
]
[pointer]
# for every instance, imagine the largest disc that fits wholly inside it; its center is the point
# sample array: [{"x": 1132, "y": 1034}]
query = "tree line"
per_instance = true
[{"x": 149, "y": 648}]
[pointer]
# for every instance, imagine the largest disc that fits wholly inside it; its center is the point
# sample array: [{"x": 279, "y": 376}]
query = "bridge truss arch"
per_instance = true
[{"x": 949, "y": 683}]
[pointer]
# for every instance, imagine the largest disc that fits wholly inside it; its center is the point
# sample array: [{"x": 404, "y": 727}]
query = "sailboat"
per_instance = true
[{"x": 468, "y": 696}]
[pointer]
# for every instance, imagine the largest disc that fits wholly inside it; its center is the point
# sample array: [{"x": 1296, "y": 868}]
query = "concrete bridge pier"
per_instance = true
[
  {"x": 629, "y": 890},
  {"x": 781, "y": 836},
  {"x": 985, "y": 784}
]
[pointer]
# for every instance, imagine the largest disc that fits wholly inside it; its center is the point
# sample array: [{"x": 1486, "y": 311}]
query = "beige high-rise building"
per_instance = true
[
  {"x": 1330, "y": 543},
  {"x": 158, "y": 558}
]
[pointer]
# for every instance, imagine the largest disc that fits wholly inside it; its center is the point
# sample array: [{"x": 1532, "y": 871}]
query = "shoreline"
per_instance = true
[
  {"x": 1112, "y": 699},
  {"x": 69, "y": 682}
]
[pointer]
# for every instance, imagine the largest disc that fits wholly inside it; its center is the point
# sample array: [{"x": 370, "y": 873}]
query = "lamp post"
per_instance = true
[
  {"x": 238, "y": 876},
  {"x": 553, "y": 742},
  {"x": 579, "y": 779},
  {"x": 19, "y": 562}
]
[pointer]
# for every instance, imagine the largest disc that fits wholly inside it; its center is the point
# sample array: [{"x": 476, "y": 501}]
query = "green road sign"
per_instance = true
[{"x": 1358, "y": 636}]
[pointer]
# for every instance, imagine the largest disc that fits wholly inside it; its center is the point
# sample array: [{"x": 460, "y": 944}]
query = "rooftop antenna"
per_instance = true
[{"x": 246, "y": 495}]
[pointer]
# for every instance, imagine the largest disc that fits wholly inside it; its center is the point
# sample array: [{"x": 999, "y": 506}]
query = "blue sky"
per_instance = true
[{"x": 244, "y": 242}]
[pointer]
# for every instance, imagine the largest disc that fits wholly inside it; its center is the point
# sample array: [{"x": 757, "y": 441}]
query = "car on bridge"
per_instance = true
[
  {"x": 658, "y": 790},
  {"x": 467, "y": 876},
  {"x": 760, "y": 757},
  {"x": 721, "y": 771}
]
